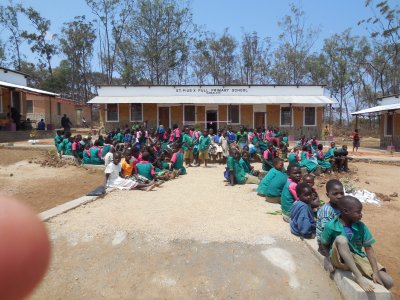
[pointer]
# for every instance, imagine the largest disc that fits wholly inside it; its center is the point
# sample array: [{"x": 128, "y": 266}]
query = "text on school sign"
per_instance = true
[{"x": 210, "y": 91}]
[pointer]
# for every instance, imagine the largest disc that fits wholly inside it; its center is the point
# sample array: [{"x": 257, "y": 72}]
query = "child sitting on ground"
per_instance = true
[
  {"x": 177, "y": 160},
  {"x": 268, "y": 157},
  {"x": 310, "y": 180},
  {"x": 145, "y": 168},
  {"x": 237, "y": 173},
  {"x": 245, "y": 163},
  {"x": 341, "y": 159},
  {"x": 324, "y": 164},
  {"x": 289, "y": 194},
  {"x": 114, "y": 178},
  {"x": 344, "y": 237},
  {"x": 126, "y": 164},
  {"x": 328, "y": 212},
  {"x": 272, "y": 184},
  {"x": 302, "y": 221}
]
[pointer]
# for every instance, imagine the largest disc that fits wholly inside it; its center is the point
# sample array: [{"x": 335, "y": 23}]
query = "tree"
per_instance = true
[
  {"x": 113, "y": 17},
  {"x": 9, "y": 19},
  {"x": 255, "y": 59},
  {"x": 160, "y": 32},
  {"x": 78, "y": 37},
  {"x": 217, "y": 58},
  {"x": 384, "y": 27},
  {"x": 42, "y": 44},
  {"x": 296, "y": 42},
  {"x": 2, "y": 54}
]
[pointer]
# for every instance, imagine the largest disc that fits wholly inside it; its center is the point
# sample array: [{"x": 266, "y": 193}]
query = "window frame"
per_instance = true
[
  {"x": 27, "y": 110},
  {"x": 1, "y": 102},
  {"x": 130, "y": 112},
  {"x": 386, "y": 127},
  {"x": 229, "y": 117},
  {"x": 304, "y": 116},
  {"x": 59, "y": 108},
  {"x": 112, "y": 121},
  {"x": 186, "y": 122},
  {"x": 280, "y": 116}
]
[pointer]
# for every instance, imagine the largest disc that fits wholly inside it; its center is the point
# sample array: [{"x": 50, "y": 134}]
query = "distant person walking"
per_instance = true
[
  {"x": 66, "y": 123},
  {"x": 41, "y": 125},
  {"x": 356, "y": 139}
]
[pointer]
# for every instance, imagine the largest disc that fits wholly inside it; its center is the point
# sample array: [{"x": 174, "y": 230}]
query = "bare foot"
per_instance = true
[
  {"x": 157, "y": 184},
  {"x": 151, "y": 187},
  {"x": 365, "y": 285},
  {"x": 328, "y": 265}
]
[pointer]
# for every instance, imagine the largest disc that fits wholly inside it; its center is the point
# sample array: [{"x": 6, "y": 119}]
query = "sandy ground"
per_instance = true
[
  {"x": 43, "y": 187},
  {"x": 192, "y": 238},
  {"x": 383, "y": 221}
]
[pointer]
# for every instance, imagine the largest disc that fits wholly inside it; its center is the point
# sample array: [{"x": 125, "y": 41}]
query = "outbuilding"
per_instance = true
[
  {"x": 388, "y": 109},
  {"x": 294, "y": 109}
]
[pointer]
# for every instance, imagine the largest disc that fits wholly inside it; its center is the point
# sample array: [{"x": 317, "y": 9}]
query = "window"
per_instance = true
[
  {"x": 285, "y": 116},
  {"x": 58, "y": 109},
  {"x": 112, "y": 114},
  {"x": 389, "y": 124},
  {"x": 29, "y": 106},
  {"x": 234, "y": 114},
  {"x": 136, "y": 112},
  {"x": 309, "y": 116},
  {"x": 189, "y": 114}
]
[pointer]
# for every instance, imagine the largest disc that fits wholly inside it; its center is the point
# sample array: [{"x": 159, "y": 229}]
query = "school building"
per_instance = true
[
  {"x": 293, "y": 109},
  {"x": 389, "y": 110},
  {"x": 34, "y": 104}
]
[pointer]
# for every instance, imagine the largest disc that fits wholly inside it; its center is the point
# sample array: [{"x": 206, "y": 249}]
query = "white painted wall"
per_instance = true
[
  {"x": 11, "y": 77},
  {"x": 196, "y": 90}
]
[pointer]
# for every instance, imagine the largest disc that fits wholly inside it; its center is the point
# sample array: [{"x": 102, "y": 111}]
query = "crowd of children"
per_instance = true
[{"x": 137, "y": 158}]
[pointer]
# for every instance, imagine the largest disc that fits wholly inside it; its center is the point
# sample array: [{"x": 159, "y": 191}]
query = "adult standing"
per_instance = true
[{"x": 66, "y": 123}]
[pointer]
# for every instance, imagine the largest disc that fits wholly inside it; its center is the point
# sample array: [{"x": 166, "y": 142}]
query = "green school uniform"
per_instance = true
[
  {"x": 86, "y": 158},
  {"x": 68, "y": 147},
  {"x": 178, "y": 165},
  {"x": 238, "y": 172},
  {"x": 285, "y": 139},
  {"x": 241, "y": 137},
  {"x": 145, "y": 170},
  {"x": 305, "y": 162},
  {"x": 292, "y": 158},
  {"x": 187, "y": 142},
  {"x": 287, "y": 199},
  {"x": 272, "y": 184},
  {"x": 105, "y": 150},
  {"x": 57, "y": 140},
  {"x": 204, "y": 142},
  {"x": 118, "y": 137},
  {"x": 361, "y": 237},
  {"x": 94, "y": 157},
  {"x": 245, "y": 165}
]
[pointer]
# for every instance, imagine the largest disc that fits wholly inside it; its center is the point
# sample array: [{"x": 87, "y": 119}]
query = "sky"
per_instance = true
[{"x": 262, "y": 16}]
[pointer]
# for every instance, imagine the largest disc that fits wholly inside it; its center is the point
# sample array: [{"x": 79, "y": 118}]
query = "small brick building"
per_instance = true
[
  {"x": 294, "y": 109},
  {"x": 389, "y": 110},
  {"x": 35, "y": 104}
]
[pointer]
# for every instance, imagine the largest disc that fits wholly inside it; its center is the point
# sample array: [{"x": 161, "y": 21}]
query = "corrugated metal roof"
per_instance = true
[
  {"x": 300, "y": 100},
  {"x": 25, "y": 88},
  {"x": 376, "y": 109}
]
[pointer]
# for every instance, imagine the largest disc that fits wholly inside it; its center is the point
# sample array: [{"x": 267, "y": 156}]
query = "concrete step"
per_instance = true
[{"x": 344, "y": 280}]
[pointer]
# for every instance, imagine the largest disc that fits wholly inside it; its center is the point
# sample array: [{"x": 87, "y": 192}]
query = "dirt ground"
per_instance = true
[
  {"x": 43, "y": 187},
  {"x": 383, "y": 221},
  {"x": 167, "y": 222}
]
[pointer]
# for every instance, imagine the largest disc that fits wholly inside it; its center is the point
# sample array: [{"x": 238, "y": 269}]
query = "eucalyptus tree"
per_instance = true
[
  {"x": 76, "y": 42},
  {"x": 9, "y": 19},
  {"x": 42, "y": 41},
  {"x": 113, "y": 18}
]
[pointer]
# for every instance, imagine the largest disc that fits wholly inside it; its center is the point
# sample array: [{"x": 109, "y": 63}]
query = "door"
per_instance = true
[
  {"x": 259, "y": 119},
  {"x": 163, "y": 116},
  {"x": 211, "y": 119},
  {"x": 79, "y": 117},
  {"x": 16, "y": 101}
]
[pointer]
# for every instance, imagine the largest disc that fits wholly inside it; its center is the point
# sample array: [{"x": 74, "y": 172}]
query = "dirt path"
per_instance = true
[
  {"x": 43, "y": 187},
  {"x": 192, "y": 238}
]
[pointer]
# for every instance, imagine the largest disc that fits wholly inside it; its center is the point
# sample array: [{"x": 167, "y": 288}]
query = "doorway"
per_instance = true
[
  {"x": 163, "y": 116},
  {"x": 212, "y": 120},
  {"x": 16, "y": 101},
  {"x": 259, "y": 119}
]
